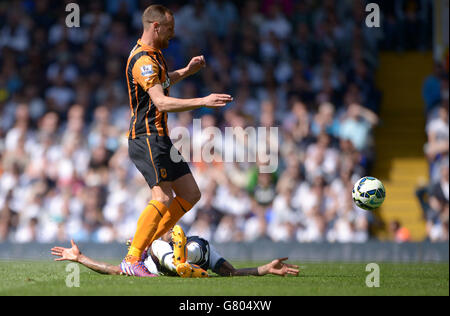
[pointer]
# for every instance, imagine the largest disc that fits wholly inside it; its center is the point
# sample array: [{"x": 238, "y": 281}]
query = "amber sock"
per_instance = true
[
  {"x": 177, "y": 209},
  {"x": 146, "y": 227}
]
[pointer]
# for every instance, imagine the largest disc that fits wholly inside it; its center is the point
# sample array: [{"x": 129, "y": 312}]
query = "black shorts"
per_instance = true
[{"x": 151, "y": 155}]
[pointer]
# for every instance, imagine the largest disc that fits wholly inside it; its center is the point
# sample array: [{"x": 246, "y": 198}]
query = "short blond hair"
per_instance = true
[{"x": 155, "y": 13}]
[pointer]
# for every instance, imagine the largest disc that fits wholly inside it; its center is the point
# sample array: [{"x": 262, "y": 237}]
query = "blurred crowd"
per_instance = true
[
  {"x": 434, "y": 197},
  {"x": 305, "y": 66}
]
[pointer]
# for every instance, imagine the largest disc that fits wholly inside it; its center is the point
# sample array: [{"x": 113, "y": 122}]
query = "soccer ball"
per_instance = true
[{"x": 368, "y": 193}]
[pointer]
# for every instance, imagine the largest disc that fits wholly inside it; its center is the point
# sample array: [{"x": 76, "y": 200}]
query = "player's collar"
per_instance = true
[{"x": 147, "y": 47}]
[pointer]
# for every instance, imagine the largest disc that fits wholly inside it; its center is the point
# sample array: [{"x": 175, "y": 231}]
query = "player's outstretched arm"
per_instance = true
[
  {"x": 168, "y": 104},
  {"x": 193, "y": 67},
  {"x": 276, "y": 267},
  {"x": 74, "y": 254}
]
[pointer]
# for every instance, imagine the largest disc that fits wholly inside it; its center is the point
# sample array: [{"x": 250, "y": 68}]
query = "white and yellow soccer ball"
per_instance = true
[{"x": 369, "y": 193}]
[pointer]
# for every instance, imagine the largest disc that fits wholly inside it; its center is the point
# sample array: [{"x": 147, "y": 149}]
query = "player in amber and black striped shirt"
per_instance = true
[{"x": 149, "y": 82}]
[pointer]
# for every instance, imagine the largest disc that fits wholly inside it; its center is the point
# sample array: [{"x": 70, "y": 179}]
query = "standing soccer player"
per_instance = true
[{"x": 148, "y": 81}]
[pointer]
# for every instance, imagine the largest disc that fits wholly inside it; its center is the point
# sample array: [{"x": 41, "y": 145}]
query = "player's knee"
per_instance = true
[
  {"x": 192, "y": 197},
  {"x": 163, "y": 194},
  {"x": 164, "y": 199}
]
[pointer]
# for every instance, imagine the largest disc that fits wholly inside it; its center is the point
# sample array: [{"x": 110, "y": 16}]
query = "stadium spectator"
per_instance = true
[
  {"x": 349, "y": 224},
  {"x": 284, "y": 218},
  {"x": 413, "y": 18},
  {"x": 192, "y": 24},
  {"x": 433, "y": 196},
  {"x": 357, "y": 125},
  {"x": 438, "y": 141},
  {"x": 437, "y": 212},
  {"x": 225, "y": 17},
  {"x": 431, "y": 89},
  {"x": 9, "y": 218},
  {"x": 398, "y": 232},
  {"x": 14, "y": 34}
]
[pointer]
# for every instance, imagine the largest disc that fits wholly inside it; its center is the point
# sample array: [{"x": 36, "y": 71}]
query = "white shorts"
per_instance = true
[{"x": 160, "y": 249}]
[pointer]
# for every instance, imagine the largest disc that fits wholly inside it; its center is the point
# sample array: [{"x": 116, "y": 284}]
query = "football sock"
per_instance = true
[
  {"x": 146, "y": 227},
  {"x": 177, "y": 209}
]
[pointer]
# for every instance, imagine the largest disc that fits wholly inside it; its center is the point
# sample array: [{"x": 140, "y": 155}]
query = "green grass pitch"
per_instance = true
[{"x": 48, "y": 278}]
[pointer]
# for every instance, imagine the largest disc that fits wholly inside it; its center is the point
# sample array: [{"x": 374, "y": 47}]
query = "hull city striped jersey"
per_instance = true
[{"x": 146, "y": 67}]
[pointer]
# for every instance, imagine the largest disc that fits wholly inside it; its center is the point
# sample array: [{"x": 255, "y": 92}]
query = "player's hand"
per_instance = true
[
  {"x": 196, "y": 64},
  {"x": 278, "y": 267},
  {"x": 67, "y": 254},
  {"x": 217, "y": 100}
]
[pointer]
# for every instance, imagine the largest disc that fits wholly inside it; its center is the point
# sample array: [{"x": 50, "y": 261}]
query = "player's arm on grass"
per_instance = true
[
  {"x": 74, "y": 254},
  {"x": 168, "y": 104},
  {"x": 276, "y": 267},
  {"x": 193, "y": 67}
]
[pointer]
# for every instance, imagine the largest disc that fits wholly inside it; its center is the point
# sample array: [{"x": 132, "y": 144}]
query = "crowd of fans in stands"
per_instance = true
[
  {"x": 305, "y": 66},
  {"x": 434, "y": 197}
]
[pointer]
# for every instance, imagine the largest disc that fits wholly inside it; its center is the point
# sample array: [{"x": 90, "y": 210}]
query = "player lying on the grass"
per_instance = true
[{"x": 186, "y": 257}]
